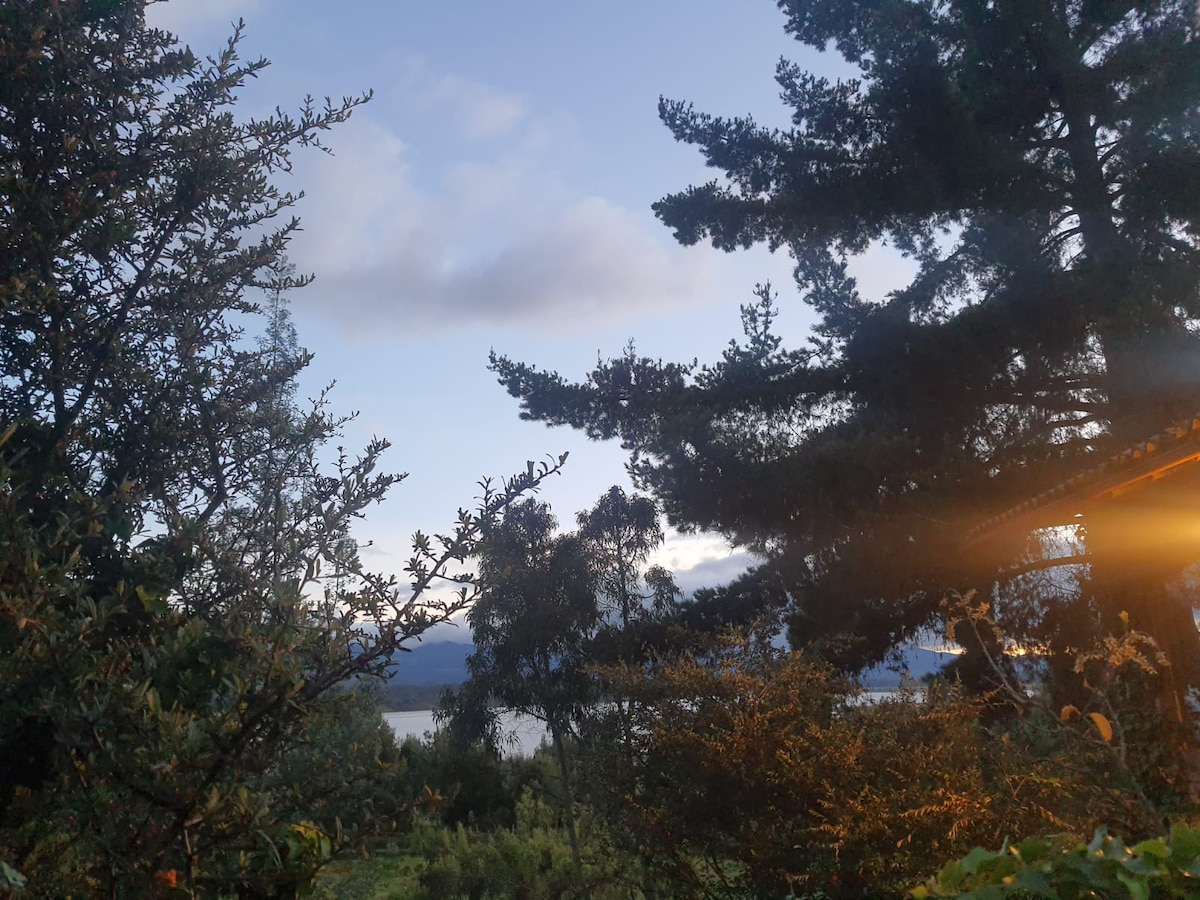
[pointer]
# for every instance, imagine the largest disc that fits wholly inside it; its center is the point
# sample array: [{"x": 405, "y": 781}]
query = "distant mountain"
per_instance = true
[{"x": 444, "y": 662}]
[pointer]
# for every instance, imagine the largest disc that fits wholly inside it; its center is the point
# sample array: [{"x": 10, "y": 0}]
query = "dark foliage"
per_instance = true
[{"x": 1033, "y": 161}]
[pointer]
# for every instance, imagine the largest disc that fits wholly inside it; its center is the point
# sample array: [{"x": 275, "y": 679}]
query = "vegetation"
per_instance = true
[
  {"x": 168, "y": 648},
  {"x": 549, "y": 606},
  {"x": 1018, "y": 155},
  {"x": 1104, "y": 866},
  {"x": 190, "y": 643},
  {"x": 769, "y": 774}
]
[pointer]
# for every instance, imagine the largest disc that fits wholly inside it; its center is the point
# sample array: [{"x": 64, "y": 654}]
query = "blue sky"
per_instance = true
[{"x": 496, "y": 194}]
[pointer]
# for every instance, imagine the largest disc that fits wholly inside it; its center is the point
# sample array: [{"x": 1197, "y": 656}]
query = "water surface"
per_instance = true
[{"x": 527, "y": 732}]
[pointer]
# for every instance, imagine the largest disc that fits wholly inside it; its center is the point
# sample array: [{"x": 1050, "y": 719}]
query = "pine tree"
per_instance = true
[{"x": 1037, "y": 162}]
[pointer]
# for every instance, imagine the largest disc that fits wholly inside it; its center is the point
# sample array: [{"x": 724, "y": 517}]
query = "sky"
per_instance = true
[{"x": 495, "y": 194}]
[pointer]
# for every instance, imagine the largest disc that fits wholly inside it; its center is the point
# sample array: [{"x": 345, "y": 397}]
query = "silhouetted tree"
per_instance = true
[
  {"x": 531, "y": 625},
  {"x": 1035, "y": 162}
]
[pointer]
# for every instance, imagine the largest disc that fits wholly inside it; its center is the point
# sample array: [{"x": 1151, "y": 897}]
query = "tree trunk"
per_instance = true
[
  {"x": 1150, "y": 385},
  {"x": 560, "y": 752}
]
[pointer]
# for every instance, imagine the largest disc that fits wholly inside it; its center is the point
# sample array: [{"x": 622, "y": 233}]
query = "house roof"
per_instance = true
[{"x": 1163, "y": 455}]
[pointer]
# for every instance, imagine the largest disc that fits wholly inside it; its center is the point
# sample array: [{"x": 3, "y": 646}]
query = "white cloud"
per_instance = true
[
  {"x": 701, "y": 560},
  {"x": 184, "y": 17},
  {"x": 592, "y": 260},
  {"x": 479, "y": 110},
  {"x": 714, "y": 572},
  {"x": 499, "y": 241}
]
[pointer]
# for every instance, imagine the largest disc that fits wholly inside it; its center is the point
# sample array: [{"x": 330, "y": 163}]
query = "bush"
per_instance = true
[
  {"x": 532, "y": 860},
  {"x": 770, "y": 775},
  {"x": 1066, "y": 867},
  {"x": 166, "y": 639}
]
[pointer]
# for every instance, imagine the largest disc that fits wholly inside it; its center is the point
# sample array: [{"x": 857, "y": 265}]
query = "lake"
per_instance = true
[{"x": 528, "y": 732}]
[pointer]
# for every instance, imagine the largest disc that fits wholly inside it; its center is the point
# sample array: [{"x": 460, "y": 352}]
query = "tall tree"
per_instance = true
[
  {"x": 164, "y": 636},
  {"x": 1036, "y": 161},
  {"x": 619, "y": 533},
  {"x": 531, "y": 626}
]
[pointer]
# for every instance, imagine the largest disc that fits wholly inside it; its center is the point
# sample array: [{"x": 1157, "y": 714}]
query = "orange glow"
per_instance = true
[{"x": 1173, "y": 516}]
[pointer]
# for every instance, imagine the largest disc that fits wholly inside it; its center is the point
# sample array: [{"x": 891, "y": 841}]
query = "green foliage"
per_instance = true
[
  {"x": 345, "y": 773},
  {"x": 178, "y": 601},
  {"x": 531, "y": 627},
  {"x": 468, "y": 785},
  {"x": 619, "y": 532},
  {"x": 10, "y": 878},
  {"x": 536, "y": 611},
  {"x": 552, "y": 604},
  {"x": 533, "y": 860},
  {"x": 1063, "y": 867},
  {"x": 509, "y": 840},
  {"x": 387, "y": 874}
]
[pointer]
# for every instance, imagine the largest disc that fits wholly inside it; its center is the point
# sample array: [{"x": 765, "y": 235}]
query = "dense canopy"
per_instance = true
[{"x": 1035, "y": 161}]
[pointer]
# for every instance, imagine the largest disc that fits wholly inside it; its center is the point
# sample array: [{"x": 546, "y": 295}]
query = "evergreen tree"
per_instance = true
[{"x": 1037, "y": 162}]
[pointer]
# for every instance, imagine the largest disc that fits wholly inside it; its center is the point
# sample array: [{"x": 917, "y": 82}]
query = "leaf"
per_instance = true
[
  {"x": 987, "y": 892},
  {"x": 1155, "y": 848},
  {"x": 1099, "y": 841},
  {"x": 1185, "y": 845},
  {"x": 951, "y": 877},
  {"x": 1033, "y": 882},
  {"x": 1138, "y": 890},
  {"x": 10, "y": 877},
  {"x": 975, "y": 860},
  {"x": 1068, "y": 712},
  {"x": 1102, "y": 725},
  {"x": 1032, "y": 850}
]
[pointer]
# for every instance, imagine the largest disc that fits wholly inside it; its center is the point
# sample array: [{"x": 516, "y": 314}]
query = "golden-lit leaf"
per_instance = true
[
  {"x": 1102, "y": 725},
  {"x": 1068, "y": 713}
]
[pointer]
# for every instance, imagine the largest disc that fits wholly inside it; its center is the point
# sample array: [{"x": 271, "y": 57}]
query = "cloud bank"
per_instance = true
[{"x": 400, "y": 243}]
